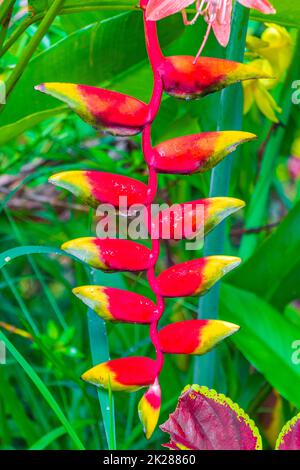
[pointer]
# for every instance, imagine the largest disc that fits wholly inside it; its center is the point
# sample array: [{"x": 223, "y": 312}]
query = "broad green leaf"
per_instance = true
[
  {"x": 93, "y": 56},
  {"x": 265, "y": 339},
  {"x": 288, "y": 13},
  {"x": 11, "y": 131},
  {"x": 273, "y": 271},
  {"x": 39, "y": 6}
]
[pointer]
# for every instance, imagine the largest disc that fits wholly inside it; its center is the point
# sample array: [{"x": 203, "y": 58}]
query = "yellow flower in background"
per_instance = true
[
  {"x": 256, "y": 91},
  {"x": 279, "y": 51},
  {"x": 296, "y": 148},
  {"x": 272, "y": 53}
]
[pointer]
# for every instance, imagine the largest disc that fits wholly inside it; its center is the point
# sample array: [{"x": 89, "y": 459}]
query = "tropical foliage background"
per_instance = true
[{"x": 43, "y": 404}]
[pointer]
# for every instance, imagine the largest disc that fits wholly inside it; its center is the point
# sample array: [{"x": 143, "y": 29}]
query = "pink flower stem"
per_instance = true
[{"x": 155, "y": 57}]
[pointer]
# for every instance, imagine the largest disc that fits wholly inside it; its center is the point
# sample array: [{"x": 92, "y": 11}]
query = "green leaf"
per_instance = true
[
  {"x": 12, "y": 131},
  {"x": 45, "y": 392},
  {"x": 55, "y": 434},
  {"x": 288, "y": 13},
  {"x": 94, "y": 55},
  {"x": 273, "y": 271},
  {"x": 265, "y": 339},
  {"x": 40, "y": 6}
]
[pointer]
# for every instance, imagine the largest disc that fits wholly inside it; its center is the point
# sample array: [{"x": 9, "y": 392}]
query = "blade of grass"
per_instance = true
[
  {"x": 45, "y": 392},
  {"x": 230, "y": 118},
  {"x": 100, "y": 353},
  {"x": 55, "y": 434},
  {"x": 49, "y": 296}
]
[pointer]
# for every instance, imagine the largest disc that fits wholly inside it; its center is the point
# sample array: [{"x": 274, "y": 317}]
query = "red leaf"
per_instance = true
[
  {"x": 206, "y": 420},
  {"x": 289, "y": 438}
]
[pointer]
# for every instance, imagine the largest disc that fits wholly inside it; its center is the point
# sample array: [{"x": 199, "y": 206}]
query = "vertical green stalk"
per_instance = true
[
  {"x": 100, "y": 353},
  {"x": 230, "y": 118},
  {"x": 5, "y": 8}
]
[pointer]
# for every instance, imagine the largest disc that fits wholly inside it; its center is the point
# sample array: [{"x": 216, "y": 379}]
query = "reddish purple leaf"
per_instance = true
[
  {"x": 289, "y": 438},
  {"x": 206, "y": 420}
]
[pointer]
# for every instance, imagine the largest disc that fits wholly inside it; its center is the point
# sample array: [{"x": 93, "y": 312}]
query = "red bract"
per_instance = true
[
  {"x": 189, "y": 219},
  {"x": 195, "y": 277},
  {"x": 106, "y": 110},
  {"x": 97, "y": 187},
  {"x": 110, "y": 254},
  {"x": 185, "y": 79},
  {"x": 198, "y": 152},
  {"x": 117, "y": 305},
  {"x": 127, "y": 374},
  {"x": 194, "y": 336},
  {"x": 124, "y": 115}
]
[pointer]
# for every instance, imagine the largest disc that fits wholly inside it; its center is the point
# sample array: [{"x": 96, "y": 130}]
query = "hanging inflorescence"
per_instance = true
[{"x": 123, "y": 115}]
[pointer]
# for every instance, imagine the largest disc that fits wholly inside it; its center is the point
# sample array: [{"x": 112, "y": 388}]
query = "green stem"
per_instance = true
[
  {"x": 17, "y": 33},
  {"x": 5, "y": 8},
  {"x": 230, "y": 118},
  {"x": 100, "y": 353},
  {"x": 258, "y": 205},
  {"x": 4, "y": 26},
  {"x": 32, "y": 45}
]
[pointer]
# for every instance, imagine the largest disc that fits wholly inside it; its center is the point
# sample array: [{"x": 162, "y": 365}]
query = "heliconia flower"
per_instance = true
[
  {"x": 117, "y": 305},
  {"x": 198, "y": 152},
  {"x": 195, "y": 277},
  {"x": 149, "y": 409},
  {"x": 217, "y": 14},
  {"x": 110, "y": 254},
  {"x": 107, "y": 110},
  {"x": 187, "y": 220},
  {"x": 289, "y": 438},
  {"x": 195, "y": 337},
  {"x": 207, "y": 420},
  {"x": 185, "y": 79},
  {"x": 98, "y": 187},
  {"x": 126, "y": 374}
]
